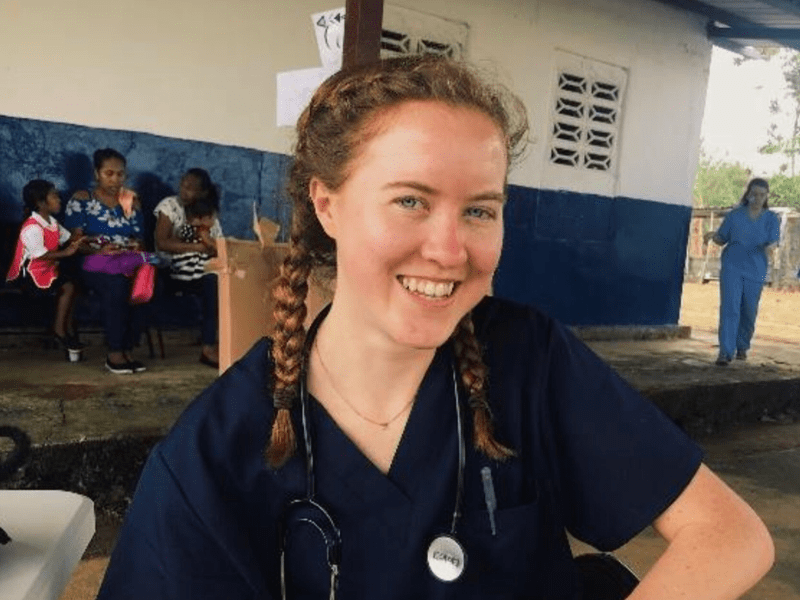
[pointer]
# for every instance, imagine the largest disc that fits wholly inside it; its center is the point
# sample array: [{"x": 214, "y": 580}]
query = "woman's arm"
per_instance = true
[
  {"x": 718, "y": 547},
  {"x": 167, "y": 242}
]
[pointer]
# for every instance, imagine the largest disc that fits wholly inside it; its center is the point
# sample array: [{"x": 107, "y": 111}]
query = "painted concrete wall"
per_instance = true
[
  {"x": 205, "y": 70},
  {"x": 176, "y": 83}
]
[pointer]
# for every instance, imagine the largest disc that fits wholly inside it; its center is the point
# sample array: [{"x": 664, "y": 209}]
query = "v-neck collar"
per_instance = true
[{"x": 339, "y": 462}]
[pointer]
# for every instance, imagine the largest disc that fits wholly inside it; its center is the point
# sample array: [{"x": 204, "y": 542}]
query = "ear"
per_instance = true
[{"x": 323, "y": 200}]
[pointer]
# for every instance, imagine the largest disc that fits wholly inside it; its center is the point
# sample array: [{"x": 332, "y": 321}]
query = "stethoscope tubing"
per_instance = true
[{"x": 309, "y": 453}]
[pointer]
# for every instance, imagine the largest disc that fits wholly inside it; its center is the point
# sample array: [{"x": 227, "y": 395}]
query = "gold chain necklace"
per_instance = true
[{"x": 381, "y": 424}]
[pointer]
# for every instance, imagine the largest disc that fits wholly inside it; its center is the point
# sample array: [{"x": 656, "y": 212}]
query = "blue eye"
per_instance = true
[
  {"x": 481, "y": 213},
  {"x": 409, "y": 202}
]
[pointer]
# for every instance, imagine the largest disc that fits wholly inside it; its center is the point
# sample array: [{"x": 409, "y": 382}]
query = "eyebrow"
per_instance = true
[{"x": 426, "y": 189}]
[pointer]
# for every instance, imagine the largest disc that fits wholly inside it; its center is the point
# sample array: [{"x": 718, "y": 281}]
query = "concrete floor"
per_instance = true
[{"x": 64, "y": 404}]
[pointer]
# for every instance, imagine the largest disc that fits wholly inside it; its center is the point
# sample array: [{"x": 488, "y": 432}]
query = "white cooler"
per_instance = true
[{"x": 49, "y": 530}]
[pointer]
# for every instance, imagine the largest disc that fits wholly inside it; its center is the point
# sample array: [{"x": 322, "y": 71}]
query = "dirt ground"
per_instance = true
[{"x": 778, "y": 311}]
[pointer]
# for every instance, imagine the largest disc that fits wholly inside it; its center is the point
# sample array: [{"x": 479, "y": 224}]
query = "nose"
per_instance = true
[{"x": 444, "y": 241}]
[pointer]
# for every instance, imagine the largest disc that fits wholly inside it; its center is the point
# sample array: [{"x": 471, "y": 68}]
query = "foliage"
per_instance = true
[
  {"x": 784, "y": 190},
  {"x": 719, "y": 183},
  {"x": 787, "y": 143}
]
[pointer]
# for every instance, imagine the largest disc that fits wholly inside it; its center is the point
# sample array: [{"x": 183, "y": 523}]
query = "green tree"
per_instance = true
[
  {"x": 787, "y": 142},
  {"x": 784, "y": 190},
  {"x": 718, "y": 183}
]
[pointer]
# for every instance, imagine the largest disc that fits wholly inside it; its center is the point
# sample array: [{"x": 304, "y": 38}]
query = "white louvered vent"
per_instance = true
[
  {"x": 412, "y": 32},
  {"x": 586, "y": 114}
]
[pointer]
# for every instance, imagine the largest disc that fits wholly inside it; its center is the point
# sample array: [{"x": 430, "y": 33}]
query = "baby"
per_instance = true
[{"x": 188, "y": 266}]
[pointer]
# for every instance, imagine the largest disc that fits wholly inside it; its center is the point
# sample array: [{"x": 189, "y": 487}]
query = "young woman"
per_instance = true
[
  {"x": 422, "y": 439},
  {"x": 171, "y": 214},
  {"x": 749, "y": 233},
  {"x": 111, "y": 216}
]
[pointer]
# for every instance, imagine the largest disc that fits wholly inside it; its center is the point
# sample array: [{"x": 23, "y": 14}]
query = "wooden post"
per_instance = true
[{"x": 363, "y": 21}]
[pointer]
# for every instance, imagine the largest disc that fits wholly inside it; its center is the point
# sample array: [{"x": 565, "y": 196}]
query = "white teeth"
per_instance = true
[{"x": 431, "y": 289}]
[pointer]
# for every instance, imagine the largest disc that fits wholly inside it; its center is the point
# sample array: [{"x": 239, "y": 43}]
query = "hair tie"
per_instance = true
[
  {"x": 283, "y": 399},
  {"x": 478, "y": 401}
]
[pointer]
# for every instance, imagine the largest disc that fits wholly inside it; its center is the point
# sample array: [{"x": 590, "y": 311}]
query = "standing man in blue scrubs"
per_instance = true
[{"x": 749, "y": 232}]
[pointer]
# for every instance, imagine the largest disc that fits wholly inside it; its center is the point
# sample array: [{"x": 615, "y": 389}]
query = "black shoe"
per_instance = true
[
  {"x": 68, "y": 342},
  {"x": 137, "y": 366},
  {"x": 741, "y": 355},
  {"x": 119, "y": 369},
  {"x": 73, "y": 343},
  {"x": 723, "y": 360}
]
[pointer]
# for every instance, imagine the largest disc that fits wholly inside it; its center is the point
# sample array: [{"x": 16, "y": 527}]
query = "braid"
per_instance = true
[
  {"x": 341, "y": 117},
  {"x": 473, "y": 376},
  {"x": 287, "y": 348}
]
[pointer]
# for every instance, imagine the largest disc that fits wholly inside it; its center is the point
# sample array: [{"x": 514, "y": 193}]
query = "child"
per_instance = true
[
  {"x": 37, "y": 255},
  {"x": 200, "y": 217}
]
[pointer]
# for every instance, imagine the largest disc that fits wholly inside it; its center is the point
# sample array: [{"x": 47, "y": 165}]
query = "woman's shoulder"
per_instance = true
[
  {"x": 167, "y": 201},
  {"x": 504, "y": 322},
  {"x": 167, "y": 206},
  {"x": 244, "y": 384},
  {"x": 236, "y": 405},
  {"x": 81, "y": 196},
  {"x": 78, "y": 205}
]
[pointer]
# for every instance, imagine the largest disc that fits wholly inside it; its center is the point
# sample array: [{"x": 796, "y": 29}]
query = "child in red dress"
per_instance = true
[{"x": 39, "y": 251}]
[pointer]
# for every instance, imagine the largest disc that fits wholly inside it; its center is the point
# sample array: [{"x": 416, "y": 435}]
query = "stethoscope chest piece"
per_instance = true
[{"x": 446, "y": 558}]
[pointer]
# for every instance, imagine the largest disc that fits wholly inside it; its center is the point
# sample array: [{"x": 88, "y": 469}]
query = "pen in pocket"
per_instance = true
[{"x": 488, "y": 494}]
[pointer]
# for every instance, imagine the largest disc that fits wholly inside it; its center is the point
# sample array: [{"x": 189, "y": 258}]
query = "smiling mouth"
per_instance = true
[{"x": 428, "y": 288}]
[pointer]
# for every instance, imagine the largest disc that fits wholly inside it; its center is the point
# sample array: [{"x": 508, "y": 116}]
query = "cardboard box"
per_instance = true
[{"x": 248, "y": 271}]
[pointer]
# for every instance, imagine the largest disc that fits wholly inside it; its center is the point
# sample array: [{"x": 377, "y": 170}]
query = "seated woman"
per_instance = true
[
  {"x": 112, "y": 217},
  {"x": 188, "y": 256},
  {"x": 43, "y": 244}
]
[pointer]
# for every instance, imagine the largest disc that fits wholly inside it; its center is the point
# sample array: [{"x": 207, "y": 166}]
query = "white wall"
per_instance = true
[{"x": 205, "y": 70}]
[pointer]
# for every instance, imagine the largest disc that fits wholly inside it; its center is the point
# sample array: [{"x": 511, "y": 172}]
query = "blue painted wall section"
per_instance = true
[
  {"x": 62, "y": 153},
  {"x": 585, "y": 259},
  {"x": 594, "y": 260}
]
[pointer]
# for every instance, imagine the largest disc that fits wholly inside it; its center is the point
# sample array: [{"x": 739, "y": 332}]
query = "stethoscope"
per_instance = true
[{"x": 446, "y": 556}]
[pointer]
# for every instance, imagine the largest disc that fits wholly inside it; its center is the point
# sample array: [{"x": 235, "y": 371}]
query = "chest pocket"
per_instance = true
[{"x": 525, "y": 557}]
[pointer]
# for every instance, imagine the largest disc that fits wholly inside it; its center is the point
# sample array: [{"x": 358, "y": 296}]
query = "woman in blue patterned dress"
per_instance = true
[{"x": 110, "y": 215}]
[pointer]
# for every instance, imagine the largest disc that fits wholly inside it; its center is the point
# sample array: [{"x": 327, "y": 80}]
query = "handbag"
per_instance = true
[{"x": 143, "y": 284}]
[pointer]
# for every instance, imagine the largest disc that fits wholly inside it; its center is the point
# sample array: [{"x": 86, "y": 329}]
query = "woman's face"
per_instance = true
[
  {"x": 111, "y": 176},
  {"x": 418, "y": 223},
  {"x": 190, "y": 189},
  {"x": 757, "y": 197}
]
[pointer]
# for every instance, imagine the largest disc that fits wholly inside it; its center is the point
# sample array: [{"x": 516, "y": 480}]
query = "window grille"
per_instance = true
[
  {"x": 586, "y": 115},
  {"x": 407, "y": 32},
  {"x": 396, "y": 43}
]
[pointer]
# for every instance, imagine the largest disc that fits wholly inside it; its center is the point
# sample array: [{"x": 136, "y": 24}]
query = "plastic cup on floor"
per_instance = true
[{"x": 74, "y": 355}]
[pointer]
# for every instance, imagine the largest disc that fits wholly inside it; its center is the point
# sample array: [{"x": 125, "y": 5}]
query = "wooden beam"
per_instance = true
[{"x": 363, "y": 20}]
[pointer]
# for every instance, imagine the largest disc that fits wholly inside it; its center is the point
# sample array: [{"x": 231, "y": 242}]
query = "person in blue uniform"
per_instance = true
[
  {"x": 749, "y": 233},
  {"x": 420, "y": 439}
]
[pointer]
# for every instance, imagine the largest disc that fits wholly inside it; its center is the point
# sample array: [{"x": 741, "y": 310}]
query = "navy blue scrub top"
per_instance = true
[{"x": 593, "y": 458}]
